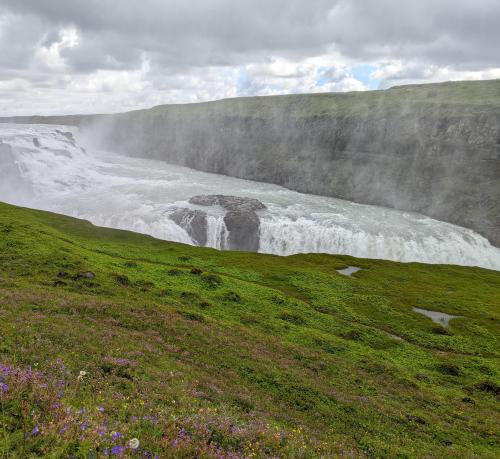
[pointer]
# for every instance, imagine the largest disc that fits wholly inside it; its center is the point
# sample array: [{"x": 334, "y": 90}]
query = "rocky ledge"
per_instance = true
[{"x": 241, "y": 220}]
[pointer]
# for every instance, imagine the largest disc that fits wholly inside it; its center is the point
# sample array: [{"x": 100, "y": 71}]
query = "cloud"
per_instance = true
[{"x": 109, "y": 55}]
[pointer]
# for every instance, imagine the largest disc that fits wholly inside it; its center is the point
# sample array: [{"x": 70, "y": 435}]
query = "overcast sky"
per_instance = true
[{"x": 89, "y": 56}]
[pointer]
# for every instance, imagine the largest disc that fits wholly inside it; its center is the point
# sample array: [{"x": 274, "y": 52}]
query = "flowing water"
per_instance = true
[{"x": 41, "y": 167}]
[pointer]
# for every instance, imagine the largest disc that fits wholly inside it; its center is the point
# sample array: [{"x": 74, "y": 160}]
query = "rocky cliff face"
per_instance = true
[{"x": 433, "y": 149}]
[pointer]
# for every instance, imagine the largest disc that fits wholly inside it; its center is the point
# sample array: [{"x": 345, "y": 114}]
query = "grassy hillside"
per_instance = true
[
  {"x": 449, "y": 98},
  {"x": 472, "y": 96},
  {"x": 107, "y": 335}
]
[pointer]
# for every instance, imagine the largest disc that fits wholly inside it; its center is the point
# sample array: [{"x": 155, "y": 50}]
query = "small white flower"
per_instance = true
[
  {"x": 133, "y": 443},
  {"x": 81, "y": 375}
]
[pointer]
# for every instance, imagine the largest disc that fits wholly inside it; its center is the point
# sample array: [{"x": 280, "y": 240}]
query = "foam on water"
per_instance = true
[{"x": 113, "y": 190}]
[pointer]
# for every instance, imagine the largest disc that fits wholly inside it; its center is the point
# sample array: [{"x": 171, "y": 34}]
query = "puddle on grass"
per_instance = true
[
  {"x": 440, "y": 318},
  {"x": 349, "y": 271}
]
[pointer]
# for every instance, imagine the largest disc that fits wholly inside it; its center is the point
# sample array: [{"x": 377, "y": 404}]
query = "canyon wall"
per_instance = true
[{"x": 433, "y": 149}]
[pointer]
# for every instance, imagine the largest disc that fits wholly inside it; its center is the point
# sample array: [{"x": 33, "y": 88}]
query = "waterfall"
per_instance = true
[
  {"x": 52, "y": 168},
  {"x": 216, "y": 232}
]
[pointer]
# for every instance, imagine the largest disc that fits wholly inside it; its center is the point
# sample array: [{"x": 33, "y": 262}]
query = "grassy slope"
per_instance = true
[
  {"x": 457, "y": 98},
  {"x": 258, "y": 355}
]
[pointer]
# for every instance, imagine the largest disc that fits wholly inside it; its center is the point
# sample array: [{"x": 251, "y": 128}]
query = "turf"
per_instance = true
[
  {"x": 108, "y": 335},
  {"x": 453, "y": 98}
]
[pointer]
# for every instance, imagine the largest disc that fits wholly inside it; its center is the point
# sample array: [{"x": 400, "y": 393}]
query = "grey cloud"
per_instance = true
[
  {"x": 115, "y": 34},
  {"x": 180, "y": 39},
  {"x": 445, "y": 32}
]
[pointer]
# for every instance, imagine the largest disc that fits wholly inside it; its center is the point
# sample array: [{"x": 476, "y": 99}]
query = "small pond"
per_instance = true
[
  {"x": 349, "y": 271},
  {"x": 440, "y": 318}
]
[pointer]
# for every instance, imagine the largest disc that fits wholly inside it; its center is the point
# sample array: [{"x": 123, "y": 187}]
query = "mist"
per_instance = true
[
  {"x": 415, "y": 148},
  {"x": 66, "y": 170}
]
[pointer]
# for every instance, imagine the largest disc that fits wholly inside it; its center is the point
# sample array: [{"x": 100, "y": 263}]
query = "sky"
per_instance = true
[{"x": 105, "y": 56}]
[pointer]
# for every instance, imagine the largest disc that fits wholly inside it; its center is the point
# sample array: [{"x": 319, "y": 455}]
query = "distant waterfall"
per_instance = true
[{"x": 51, "y": 168}]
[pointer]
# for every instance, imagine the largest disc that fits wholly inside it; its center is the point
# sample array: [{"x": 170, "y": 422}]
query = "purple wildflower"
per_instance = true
[
  {"x": 35, "y": 431},
  {"x": 117, "y": 450},
  {"x": 4, "y": 388},
  {"x": 116, "y": 435}
]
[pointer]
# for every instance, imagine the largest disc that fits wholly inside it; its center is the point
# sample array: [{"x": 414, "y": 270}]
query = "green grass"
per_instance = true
[
  {"x": 462, "y": 98},
  {"x": 199, "y": 353},
  {"x": 454, "y": 98}
]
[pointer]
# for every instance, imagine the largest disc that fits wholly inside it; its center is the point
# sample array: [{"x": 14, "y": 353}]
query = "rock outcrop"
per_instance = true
[
  {"x": 230, "y": 203},
  {"x": 194, "y": 222},
  {"x": 241, "y": 220}
]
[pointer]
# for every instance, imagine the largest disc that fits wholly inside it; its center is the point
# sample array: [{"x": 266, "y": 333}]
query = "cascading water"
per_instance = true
[
  {"x": 216, "y": 232},
  {"x": 44, "y": 167}
]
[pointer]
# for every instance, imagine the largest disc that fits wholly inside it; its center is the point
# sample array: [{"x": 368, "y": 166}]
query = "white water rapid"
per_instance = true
[{"x": 41, "y": 167}]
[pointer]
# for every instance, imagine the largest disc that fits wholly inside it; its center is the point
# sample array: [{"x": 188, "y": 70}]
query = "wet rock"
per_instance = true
[
  {"x": 68, "y": 135},
  {"x": 243, "y": 230},
  {"x": 36, "y": 142},
  {"x": 235, "y": 203},
  {"x": 241, "y": 220},
  {"x": 194, "y": 222}
]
